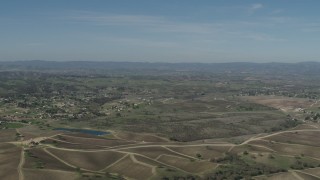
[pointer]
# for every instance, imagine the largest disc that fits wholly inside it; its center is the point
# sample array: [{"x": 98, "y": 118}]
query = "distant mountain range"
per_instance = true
[{"x": 236, "y": 67}]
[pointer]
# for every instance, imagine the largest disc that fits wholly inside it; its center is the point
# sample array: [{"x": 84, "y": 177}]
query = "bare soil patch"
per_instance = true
[
  {"x": 188, "y": 165},
  {"x": 38, "y": 158},
  {"x": 88, "y": 160},
  {"x": 7, "y": 135},
  {"x": 9, "y": 161},
  {"x": 314, "y": 171},
  {"x": 152, "y": 152},
  {"x": 92, "y": 141},
  {"x": 31, "y": 174},
  {"x": 310, "y": 138},
  {"x": 283, "y": 103},
  {"x": 206, "y": 152},
  {"x": 140, "y": 137},
  {"x": 130, "y": 169}
]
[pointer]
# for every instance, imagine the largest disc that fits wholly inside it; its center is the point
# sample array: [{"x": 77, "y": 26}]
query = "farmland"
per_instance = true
[
  {"x": 165, "y": 124},
  {"x": 151, "y": 159}
]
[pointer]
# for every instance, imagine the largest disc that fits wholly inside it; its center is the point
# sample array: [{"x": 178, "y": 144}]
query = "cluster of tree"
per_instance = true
[
  {"x": 300, "y": 164},
  {"x": 289, "y": 123},
  {"x": 313, "y": 117},
  {"x": 236, "y": 168}
]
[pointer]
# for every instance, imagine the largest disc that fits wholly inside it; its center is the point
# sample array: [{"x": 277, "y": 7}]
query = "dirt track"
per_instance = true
[{"x": 132, "y": 155}]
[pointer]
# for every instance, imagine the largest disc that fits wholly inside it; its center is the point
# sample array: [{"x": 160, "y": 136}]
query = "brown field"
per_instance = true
[
  {"x": 68, "y": 145},
  {"x": 128, "y": 168},
  {"x": 313, "y": 171},
  {"x": 279, "y": 176},
  {"x": 151, "y": 152},
  {"x": 236, "y": 139},
  {"x": 305, "y": 138},
  {"x": 206, "y": 152},
  {"x": 290, "y": 149},
  {"x": 282, "y": 103},
  {"x": 31, "y": 174},
  {"x": 9, "y": 160},
  {"x": 92, "y": 141},
  {"x": 140, "y": 137},
  {"x": 49, "y": 162},
  {"x": 32, "y": 132},
  {"x": 147, "y": 161},
  {"x": 58, "y": 156},
  {"x": 8, "y": 173},
  {"x": 187, "y": 164},
  {"x": 87, "y": 160},
  {"x": 264, "y": 143},
  {"x": 7, "y": 135},
  {"x": 255, "y": 148},
  {"x": 307, "y": 176},
  {"x": 297, "y": 150}
]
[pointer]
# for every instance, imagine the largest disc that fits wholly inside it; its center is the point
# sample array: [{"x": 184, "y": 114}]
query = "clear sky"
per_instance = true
[{"x": 160, "y": 30}]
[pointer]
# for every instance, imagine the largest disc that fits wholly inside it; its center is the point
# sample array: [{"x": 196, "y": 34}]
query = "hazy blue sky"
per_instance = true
[{"x": 160, "y": 30}]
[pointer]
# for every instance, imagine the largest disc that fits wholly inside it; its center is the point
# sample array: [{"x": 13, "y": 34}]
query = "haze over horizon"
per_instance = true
[{"x": 160, "y": 31}]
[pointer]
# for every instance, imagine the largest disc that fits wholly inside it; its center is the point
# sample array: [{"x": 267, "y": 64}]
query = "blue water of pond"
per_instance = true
[{"x": 85, "y": 131}]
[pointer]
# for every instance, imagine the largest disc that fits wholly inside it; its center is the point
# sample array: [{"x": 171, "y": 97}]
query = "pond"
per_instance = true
[{"x": 85, "y": 131}]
